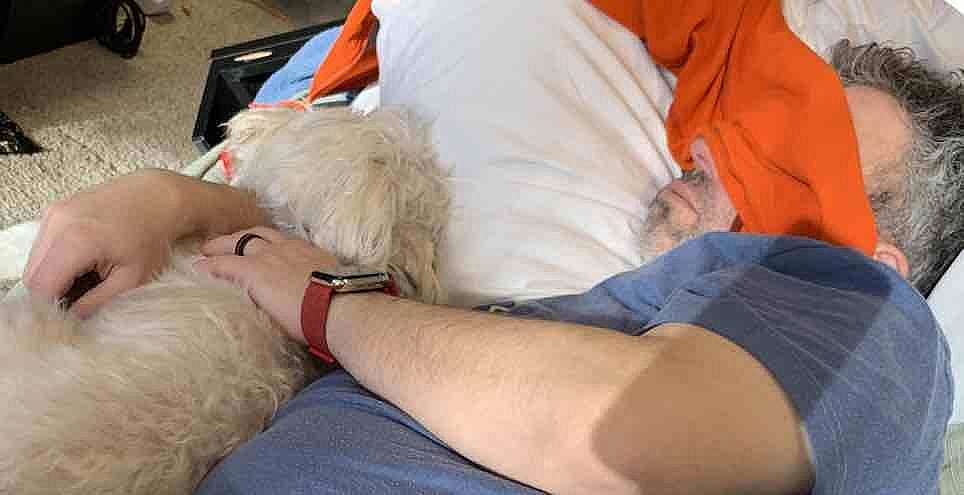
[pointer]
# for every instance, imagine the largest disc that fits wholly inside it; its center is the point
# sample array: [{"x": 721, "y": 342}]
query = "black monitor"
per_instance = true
[{"x": 235, "y": 75}]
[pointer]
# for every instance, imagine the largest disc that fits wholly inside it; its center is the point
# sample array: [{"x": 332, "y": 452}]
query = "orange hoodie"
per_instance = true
[{"x": 773, "y": 113}]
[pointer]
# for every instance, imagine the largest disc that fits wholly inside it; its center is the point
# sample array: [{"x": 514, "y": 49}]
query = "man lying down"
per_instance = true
[{"x": 747, "y": 361}]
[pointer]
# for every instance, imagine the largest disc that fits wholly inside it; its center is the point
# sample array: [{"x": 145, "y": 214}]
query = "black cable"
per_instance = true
[
  {"x": 120, "y": 26},
  {"x": 12, "y": 138}
]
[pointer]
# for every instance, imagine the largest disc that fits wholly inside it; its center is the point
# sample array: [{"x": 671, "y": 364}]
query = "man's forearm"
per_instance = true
[
  {"x": 207, "y": 209},
  {"x": 520, "y": 397},
  {"x": 575, "y": 409}
]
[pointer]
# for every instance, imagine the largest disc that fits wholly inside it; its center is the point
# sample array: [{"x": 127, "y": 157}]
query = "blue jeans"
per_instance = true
[{"x": 336, "y": 437}]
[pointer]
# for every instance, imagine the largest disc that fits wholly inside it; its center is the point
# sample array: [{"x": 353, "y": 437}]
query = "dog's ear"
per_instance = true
[{"x": 249, "y": 128}]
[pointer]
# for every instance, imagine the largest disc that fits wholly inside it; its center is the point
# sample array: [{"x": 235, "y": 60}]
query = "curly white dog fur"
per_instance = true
[{"x": 165, "y": 380}]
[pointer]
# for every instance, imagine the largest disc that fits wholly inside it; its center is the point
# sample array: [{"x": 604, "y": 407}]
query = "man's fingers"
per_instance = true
[
  {"x": 41, "y": 246},
  {"x": 226, "y": 244},
  {"x": 53, "y": 277},
  {"x": 250, "y": 244},
  {"x": 230, "y": 268},
  {"x": 118, "y": 281}
]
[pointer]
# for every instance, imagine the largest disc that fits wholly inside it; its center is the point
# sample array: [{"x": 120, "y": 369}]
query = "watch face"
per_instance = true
[{"x": 351, "y": 278}]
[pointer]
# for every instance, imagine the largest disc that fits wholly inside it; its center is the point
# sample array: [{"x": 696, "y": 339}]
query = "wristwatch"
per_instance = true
[{"x": 322, "y": 286}]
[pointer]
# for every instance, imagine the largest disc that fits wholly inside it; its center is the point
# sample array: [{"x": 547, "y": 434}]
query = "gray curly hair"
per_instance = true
[{"x": 924, "y": 214}]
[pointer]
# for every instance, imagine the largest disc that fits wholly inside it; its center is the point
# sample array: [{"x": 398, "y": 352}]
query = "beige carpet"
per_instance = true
[{"x": 98, "y": 115}]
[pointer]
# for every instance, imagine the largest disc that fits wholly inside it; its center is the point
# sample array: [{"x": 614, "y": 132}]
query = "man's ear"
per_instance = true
[
  {"x": 892, "y": 256},
  {"x": 702, "y": 156}
]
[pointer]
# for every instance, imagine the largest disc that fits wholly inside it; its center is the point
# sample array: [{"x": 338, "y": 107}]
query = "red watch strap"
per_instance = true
[{"x": 314, "y": 317}]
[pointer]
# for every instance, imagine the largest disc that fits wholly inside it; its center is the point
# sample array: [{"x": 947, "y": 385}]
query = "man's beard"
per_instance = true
[{"x": 658, "y": 235}]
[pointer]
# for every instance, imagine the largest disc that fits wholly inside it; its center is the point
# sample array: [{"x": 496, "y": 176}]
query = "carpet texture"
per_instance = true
[{"x": 97, "y": 115}]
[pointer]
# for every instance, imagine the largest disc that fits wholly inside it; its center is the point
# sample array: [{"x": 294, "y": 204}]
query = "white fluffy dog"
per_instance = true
[{"x": 165, "y": 380}]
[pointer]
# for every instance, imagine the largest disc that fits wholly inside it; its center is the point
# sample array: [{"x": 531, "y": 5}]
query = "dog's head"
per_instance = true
[{"x": 367, "y": 188}]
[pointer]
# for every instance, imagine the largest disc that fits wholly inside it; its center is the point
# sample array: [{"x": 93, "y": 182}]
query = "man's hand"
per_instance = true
[
  {"x": 121, "y": 230},
  {"x": 274, "y": 270}
]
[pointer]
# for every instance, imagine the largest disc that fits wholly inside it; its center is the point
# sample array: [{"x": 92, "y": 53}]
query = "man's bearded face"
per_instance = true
[{"x": 689, "y": 206}]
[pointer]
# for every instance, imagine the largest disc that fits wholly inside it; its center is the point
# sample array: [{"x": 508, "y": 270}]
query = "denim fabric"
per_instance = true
[
  {"x": 852, "y": 344},
  {"x": 335, "y": 437}
]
